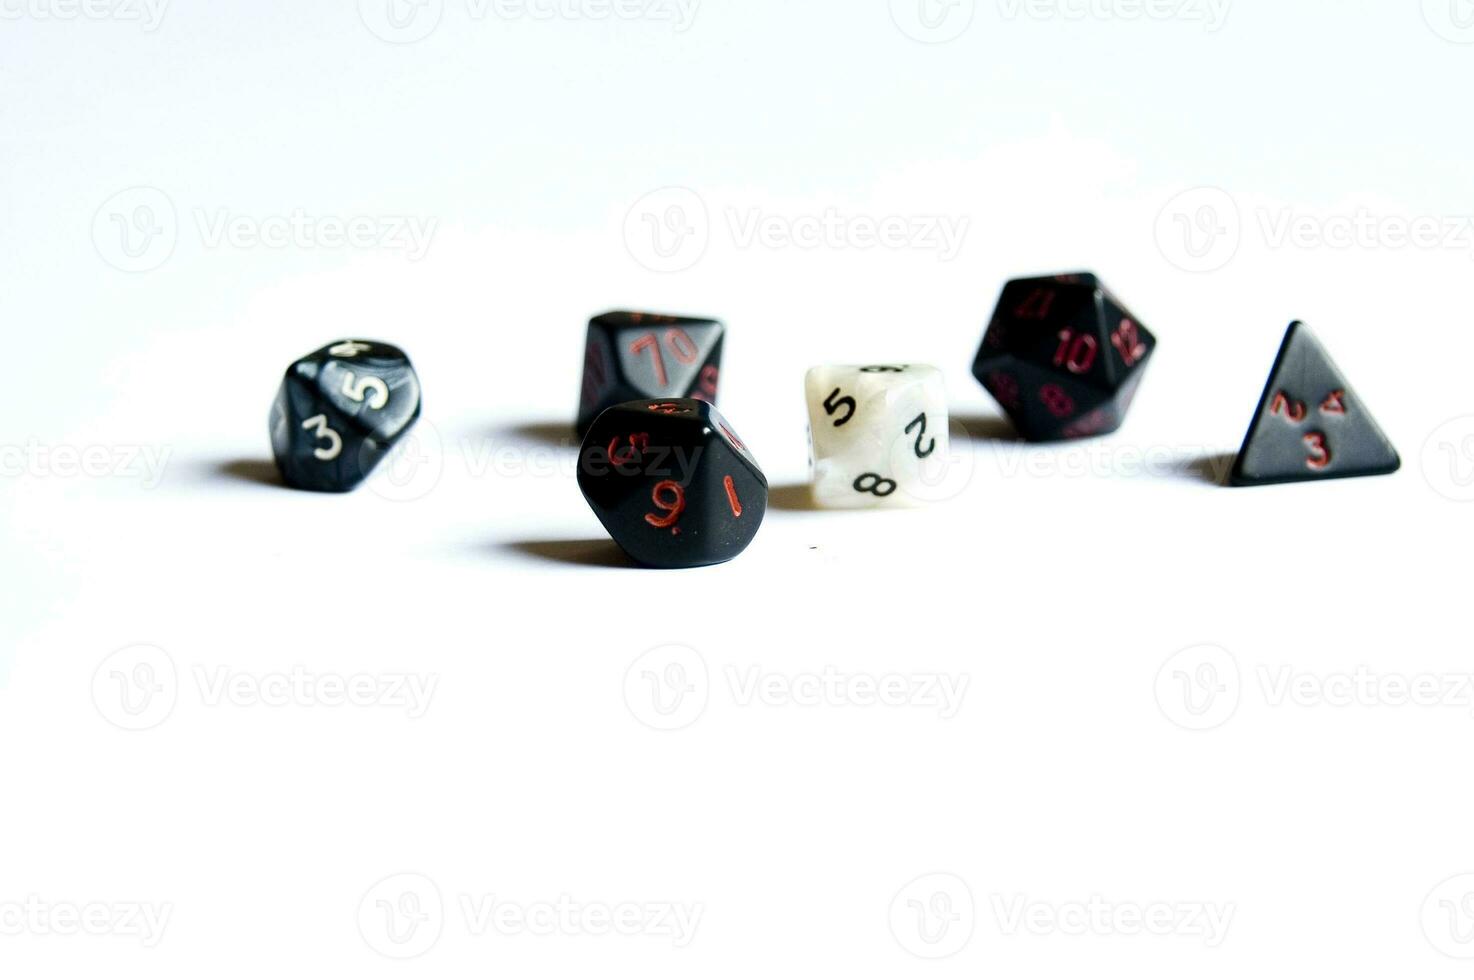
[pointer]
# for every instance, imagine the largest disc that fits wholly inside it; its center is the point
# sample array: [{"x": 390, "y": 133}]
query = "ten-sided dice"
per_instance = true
[
  {"x": 1063, "y": 357},
  {"x": 871, "y": 431},
  {"x": 339, "y": 411},
  {"x": 646, "y": 355},
  {"x": 672, "y": 483}
]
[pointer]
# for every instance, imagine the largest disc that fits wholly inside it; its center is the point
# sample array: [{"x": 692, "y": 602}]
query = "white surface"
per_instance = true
[
  {"x": 1059, "y": 586},
  {"x": 879, "y": 438}
]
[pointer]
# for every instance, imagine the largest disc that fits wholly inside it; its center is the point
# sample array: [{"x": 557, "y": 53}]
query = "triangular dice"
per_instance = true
[{"x": 1310, "y": 425}]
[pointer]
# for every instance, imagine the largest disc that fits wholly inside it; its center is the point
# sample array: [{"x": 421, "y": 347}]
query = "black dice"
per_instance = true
[
  {"x": 1063, "y": 357},
  {"x": 672, "y": 483},
  {"x": 648, "y": 355},
  {"x": 339, "y": 411},
  {"x": 1310, "y": 424}
]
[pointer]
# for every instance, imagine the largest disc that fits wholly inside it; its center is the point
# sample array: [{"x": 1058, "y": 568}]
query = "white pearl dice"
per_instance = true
[{"x": 871, "y": 432}]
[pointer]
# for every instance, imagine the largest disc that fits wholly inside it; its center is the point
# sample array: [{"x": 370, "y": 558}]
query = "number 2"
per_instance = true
[{"x": 932, "y": 447}]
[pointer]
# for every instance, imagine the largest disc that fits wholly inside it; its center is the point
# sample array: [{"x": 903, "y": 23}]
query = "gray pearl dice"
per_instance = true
[{"x": 339, "y": 411}]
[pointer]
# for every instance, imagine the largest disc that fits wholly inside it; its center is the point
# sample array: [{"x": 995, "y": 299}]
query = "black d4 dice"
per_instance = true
[
  {"x": 630, "y": 356},
  {"x": 1310, "y": 425},
  {"x": 339, "y": 411},
  {"x": 1063, "y": 357},
  {"x": 672, "y": 483}
]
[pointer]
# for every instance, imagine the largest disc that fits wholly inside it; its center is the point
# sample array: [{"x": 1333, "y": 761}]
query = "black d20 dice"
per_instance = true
[
  {"x": 630, "y": 356},
  {"x": 672, "y": 483},
  {"x": 339, "y": 411},
  {"x": 1310, "y": 425},
  {"x": 1063, "y": 357}
]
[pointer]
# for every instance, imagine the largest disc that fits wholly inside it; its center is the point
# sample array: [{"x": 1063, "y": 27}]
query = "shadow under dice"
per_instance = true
[
  {"x": 339, "y": 411},
  {"x": 671, "y": 483},
  {"x": 1063, "y": 357},
  {"x": 629, "y": 356},
  {"x": 872, "y": 431}
]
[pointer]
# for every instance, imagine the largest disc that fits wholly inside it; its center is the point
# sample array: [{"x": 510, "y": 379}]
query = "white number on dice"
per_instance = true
[
  {"x": 334, "y": 448},
  {"x": 358, "y": 389},
  {"x": 348, "y": 348}
]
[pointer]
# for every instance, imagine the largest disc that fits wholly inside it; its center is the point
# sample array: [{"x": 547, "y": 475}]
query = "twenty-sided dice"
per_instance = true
[
  {"x": 871, "y": 430},
  {"x": 647, "y": 355},
  {"x": 1310, "y": 425},
  {"x": 339, "y": 411},
  {"x": 672, "y": 483},
  {"x": 1063, "y": 357}
]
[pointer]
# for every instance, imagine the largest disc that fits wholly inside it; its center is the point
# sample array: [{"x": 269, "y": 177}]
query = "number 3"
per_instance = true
[
  {"x": 335, "y": 442},
  {"x": 358, "y": 390}
]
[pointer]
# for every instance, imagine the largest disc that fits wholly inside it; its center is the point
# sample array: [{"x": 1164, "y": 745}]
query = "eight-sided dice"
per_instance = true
[
  {"x": 339, "y": 411},
  {"x": 646, "y": 355},
  {"x": 1063, "y": 357},
  {"x": 672, "y": 483},
  {"x": 871, "y": 431}
]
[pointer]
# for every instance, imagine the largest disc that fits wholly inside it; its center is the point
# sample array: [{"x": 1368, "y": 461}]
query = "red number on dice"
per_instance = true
[{"x": 670, "y": 497}]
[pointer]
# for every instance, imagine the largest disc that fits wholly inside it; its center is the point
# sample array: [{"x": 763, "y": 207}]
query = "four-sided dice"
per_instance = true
[
  {"x": 339, "y": 411},
  {"x": 871, "y": 431},
  {"x": 629, "y": 356},
  {"x": 671, "y": 482},
  {"x": 1063, "y": 357}
]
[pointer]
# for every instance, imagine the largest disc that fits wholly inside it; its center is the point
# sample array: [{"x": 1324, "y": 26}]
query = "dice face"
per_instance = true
[
  {"x": 872, "y": 430},
  {"x": 1310, "y": 424},
  {"x": 672, "y": 483},
  {"x": 339, "y": 411},
  {"x": 1063, "y": 357},
  {"x": 629, "y": 356}
]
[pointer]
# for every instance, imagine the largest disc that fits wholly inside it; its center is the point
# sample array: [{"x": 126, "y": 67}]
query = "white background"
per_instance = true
[{"x": 1054, "y": 589}]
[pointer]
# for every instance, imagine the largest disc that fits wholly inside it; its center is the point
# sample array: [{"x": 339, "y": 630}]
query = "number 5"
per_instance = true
[
  {"x": 334, "y": 447},
  {"x": 834, "y": 403},
  {"x": 358, "y": 390}
]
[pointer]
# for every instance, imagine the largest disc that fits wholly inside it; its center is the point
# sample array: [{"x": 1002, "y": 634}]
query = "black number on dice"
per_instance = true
[
  {"x": 878, "y": 485},
  {"x": 882, "y": 369},
  {"x": 834, "y": 403},
  {"x": 932, "y": 447}
]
